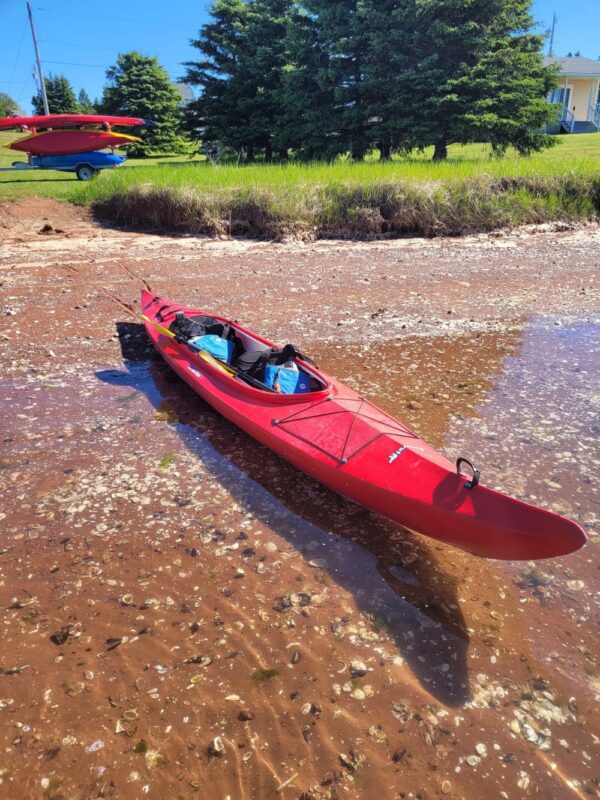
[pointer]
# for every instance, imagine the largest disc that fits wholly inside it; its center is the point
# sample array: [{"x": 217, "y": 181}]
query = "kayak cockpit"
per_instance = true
[{"x": 223, "y": 349}]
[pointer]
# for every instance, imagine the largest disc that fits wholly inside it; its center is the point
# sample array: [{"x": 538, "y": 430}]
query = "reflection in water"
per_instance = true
[{"x": 392, "y": 574}]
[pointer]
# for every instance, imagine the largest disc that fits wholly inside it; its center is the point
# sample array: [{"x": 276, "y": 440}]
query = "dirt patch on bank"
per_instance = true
[{"x": 187, "y": 615}]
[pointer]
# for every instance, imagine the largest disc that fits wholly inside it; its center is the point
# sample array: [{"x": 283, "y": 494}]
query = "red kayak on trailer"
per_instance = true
[
  {"x": 63, "y": 142},
  {"x": 344, "y": 441},
  {"x": 58, "y": 121}
]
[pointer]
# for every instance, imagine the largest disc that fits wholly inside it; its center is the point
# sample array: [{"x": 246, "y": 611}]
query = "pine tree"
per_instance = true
[
  {"x": 61, "y": 97},
  {"x": 268, "y": 39},
  {"x": 215, "y": 117},
  {"x": 320, "y": 78},
  {"x": 478, "y": 76},
  {"x": 387, "y": 85},
  {"x": 342, "y": 38},
  {"x": 242, "y": 75},
  {"x": 85, "y": 104},
  {"x": 138, "y": 86},
  {"x": 308, "y": 94}
]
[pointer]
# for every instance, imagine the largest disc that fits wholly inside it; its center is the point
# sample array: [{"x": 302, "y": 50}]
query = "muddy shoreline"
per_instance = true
[{"x": 168, "y": 583}]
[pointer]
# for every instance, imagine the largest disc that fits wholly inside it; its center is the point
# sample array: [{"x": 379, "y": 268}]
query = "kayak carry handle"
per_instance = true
[{"x": 475, "y": 479}]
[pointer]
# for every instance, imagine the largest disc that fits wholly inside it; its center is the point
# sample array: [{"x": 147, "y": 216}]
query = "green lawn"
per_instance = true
[{"x": 579, "y": 154}]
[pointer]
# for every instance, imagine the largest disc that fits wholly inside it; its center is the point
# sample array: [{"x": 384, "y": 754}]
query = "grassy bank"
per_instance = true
[{"x": 470, "y": 192}]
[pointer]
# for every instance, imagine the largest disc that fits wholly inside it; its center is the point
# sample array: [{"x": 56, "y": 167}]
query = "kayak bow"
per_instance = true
[{"x": 349, "y": 444}]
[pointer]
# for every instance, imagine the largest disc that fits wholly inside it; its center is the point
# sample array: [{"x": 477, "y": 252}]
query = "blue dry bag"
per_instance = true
[
  {"x": 215, "y": 345},
  {"x": 286, "y": 381}
]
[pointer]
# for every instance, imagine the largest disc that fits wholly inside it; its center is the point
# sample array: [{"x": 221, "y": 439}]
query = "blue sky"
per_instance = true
[{"x": 80, "y": 39}]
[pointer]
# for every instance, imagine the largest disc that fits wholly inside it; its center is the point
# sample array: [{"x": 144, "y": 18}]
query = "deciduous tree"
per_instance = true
[{"x": 8, "y": 106}]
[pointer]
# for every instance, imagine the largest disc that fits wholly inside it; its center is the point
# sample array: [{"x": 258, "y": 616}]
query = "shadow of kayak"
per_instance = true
[{"x": 392, "y": 574}]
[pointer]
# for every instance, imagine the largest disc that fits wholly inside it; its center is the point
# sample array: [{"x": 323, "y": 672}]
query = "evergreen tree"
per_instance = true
[
  {"x": 139, "y": 87},
  {"x": 242, "y": 75},
  {"x": 214, "y": 117},
  {"x": 308, "y": 94},
  {"x": 388, "y": 89},
  {"x": 343, "y": 40},
  {"x": 8, "y": 106},
  {"x": 268, "y": 40},
  {"x": 85, "y": 104},
  {"x": 61, "y": 97},
  {"x": 478, "y": 75},
  {"x": 319, "y": 78}
]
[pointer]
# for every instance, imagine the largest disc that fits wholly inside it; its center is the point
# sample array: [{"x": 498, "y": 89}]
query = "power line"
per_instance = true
[
  {"x": 26, "y": 83},
  {"x": 98, "y": 47},
  {"x": 12, "y": 77},
  {"x": 160, "y": 22},
  {"x": 75, "y": 64}
]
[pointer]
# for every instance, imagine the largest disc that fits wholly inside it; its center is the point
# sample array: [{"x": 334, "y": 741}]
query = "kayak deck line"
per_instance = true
[
  {"x": 344, "y": 457},
  {"x": 347, "y": 443}
]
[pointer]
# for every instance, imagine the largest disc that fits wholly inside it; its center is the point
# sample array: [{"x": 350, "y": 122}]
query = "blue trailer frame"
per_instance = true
[{"x": 84, "y": 165}]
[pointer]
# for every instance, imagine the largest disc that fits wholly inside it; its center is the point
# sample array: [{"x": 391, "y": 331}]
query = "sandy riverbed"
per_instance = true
[{"x": 167, "y": 582}]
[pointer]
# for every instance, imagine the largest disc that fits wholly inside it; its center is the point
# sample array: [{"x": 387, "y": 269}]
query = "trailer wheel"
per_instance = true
[{"x": 84, "y": 172}]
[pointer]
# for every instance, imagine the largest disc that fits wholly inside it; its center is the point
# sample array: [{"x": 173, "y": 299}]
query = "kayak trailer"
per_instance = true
[{"x": 84, "y": 165}]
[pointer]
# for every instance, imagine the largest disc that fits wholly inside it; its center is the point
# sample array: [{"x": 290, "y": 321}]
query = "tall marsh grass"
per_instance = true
[{"x": 469, "y": 193}]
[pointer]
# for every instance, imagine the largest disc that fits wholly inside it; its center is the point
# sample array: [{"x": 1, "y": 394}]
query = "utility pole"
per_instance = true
[
  {"x": 39, "y": 62},
  {"x": 551, "y": 45}
]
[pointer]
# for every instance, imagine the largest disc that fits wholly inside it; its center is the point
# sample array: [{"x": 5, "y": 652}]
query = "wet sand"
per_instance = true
[{"x": 188, "y": 616}]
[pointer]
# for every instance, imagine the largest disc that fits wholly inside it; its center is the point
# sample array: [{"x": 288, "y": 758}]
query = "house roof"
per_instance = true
[
  {"x": 185, "y": 90},
  {"x": 575, "y": 66}
]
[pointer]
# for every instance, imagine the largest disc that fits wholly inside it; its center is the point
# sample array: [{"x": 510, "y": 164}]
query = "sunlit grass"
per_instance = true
[{"x": 574, "y": 154}]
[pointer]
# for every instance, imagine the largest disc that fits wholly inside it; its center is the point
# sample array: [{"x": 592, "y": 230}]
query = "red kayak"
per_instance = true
[
  {"x": 63, "y": 142},
  {"x": 58, "y": 121},
  {"x": 347, "y": 443}
]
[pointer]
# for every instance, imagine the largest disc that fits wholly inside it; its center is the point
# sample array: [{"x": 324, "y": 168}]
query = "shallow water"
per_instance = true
[{"x": 477, "y": 673}]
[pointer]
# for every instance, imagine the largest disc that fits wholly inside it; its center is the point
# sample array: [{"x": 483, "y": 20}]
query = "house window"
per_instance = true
[{"x": 561, "y": 96}]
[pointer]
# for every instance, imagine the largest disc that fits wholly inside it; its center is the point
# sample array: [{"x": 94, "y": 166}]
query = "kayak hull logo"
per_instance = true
[{"x": 393, "y": 456}]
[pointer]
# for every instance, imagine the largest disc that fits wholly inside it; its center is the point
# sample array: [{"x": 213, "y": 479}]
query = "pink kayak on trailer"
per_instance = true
[
  {"x": 58, "y": 121},
  {"x": 349, "y": 444}
]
